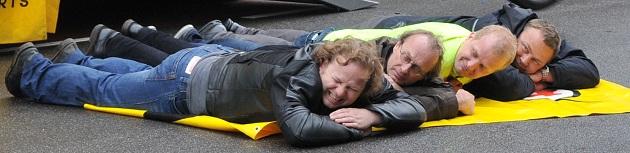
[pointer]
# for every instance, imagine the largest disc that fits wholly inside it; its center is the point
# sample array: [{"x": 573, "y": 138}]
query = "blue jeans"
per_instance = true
[
  {"x": 312, "y": 37},
  {"x": 160, "y": 89}
]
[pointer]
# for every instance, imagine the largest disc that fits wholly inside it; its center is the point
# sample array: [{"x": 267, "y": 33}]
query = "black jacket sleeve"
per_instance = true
[
  {"x": 296, "y": 92},
  {"x": 571, "y": 69},
  {"x": 399, "y": 110},
  {"x": 505, "y": 85},
  {"x": 437, "y": 97}
]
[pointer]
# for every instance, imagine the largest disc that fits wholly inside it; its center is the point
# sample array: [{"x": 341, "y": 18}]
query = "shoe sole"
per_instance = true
[
  {"x": 17, "y": 54},
  {"x": 93, "y": 37},
  {"x": 60, "y": 48},
  {"x": 183, "y": 30}
]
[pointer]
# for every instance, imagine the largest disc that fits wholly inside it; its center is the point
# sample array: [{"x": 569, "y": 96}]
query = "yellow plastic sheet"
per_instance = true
[
  {"x": 606, "y": 98},
  {"x": 27, "y": 20}
]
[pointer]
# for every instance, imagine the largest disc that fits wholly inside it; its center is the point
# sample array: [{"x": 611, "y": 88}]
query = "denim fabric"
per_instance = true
[
  {"x": 110, "y": 64},
  {"x": 313, "y": 37},
  {"x": 195, "y": 38},
  {"x": 159, "y": 89}
]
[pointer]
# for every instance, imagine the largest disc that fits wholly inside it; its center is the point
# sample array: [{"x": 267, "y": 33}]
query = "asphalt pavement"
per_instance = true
[{"x": 600, "y": 28}]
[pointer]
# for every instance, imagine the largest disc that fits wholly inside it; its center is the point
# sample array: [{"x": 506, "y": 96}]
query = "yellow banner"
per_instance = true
[{"x": 27, "y": 20}]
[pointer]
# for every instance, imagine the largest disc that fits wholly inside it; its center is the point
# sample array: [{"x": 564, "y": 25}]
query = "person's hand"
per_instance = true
[
  {"x": 539, "y": 84},
  {"x": 357, "y": 118},
  {"x": 456, "y": 84},
  {"x": 536, "y": 76},
  {"x": 394, "y": 84},
  {"x": 466, "y": 102}
]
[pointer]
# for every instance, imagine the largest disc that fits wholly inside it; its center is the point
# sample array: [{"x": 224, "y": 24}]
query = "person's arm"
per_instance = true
[
  {"x": 571, "y": 69},
  {"x": 294, "y": 97},
  {"x": 437, "y": 97},
  {"x": 506, "y": 85},
  {"x": 398, "y": 110}
]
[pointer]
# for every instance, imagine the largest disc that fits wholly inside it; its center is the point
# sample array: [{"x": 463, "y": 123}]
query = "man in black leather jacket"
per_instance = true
[
  {"x": 566, "y": 68},
  {"x": 296, "y": 88}
]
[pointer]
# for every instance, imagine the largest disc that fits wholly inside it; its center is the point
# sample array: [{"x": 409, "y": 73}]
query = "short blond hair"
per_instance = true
[{"x": 506, "y": 44}]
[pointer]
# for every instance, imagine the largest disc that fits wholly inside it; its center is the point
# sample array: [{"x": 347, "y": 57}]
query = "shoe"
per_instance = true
[
  {"x": 233, "y": 26},
  {"x": 22, "y": 56},
  {"x": 131, "y": 27},
  {"x": 185, "y": 32},
  {"x": 211, "y": 29},
  {"x": 64, "y": 49},
  {"x": 98, "y": 41}
]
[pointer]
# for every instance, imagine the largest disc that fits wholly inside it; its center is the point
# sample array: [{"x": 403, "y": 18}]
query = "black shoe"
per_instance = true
[
  {"x": 98, "y": 41},
  {"x": 211, "y": 29},
  {"x": 64, "y": 49},
  {"x": 22, "y": 56},
  {"x": 130, "y": 27},
  {"x": 233, "y": 26}
]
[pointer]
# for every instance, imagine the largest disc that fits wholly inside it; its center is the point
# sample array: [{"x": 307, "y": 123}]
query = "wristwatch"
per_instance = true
[{"x": 545, "y": 73}]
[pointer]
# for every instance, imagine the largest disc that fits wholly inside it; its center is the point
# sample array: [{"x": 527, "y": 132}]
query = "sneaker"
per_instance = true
[
  {"x": 22, "y": 56},
  {"x": 233, "y": 26},
  {"x": 185, "y": 32},
  {"x": 98, "y": 40},
  {"x": 64, "y": 49},
  {"x": 211, "y": 29}
]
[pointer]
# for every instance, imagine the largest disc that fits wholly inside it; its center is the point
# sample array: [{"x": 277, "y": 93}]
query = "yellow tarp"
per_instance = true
[
  {"x": 27, "y": 20},
  {"x": 606, "y": 98}
]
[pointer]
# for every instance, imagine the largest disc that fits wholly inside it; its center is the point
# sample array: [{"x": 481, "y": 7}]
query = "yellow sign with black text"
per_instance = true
[{"x": 27, "y": 20}]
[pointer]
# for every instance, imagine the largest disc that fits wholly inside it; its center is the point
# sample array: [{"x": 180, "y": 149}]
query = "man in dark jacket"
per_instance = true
[
  {"x": 296, "y": 88},
  {"x": 553, "y": 63}
]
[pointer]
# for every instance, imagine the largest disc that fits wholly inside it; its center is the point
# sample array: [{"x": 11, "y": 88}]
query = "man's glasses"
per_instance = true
[{"x": 415, "y": 69}]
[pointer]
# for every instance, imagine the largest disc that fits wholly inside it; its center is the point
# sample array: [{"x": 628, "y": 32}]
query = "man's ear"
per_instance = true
[{"x": 472, "y": 35}]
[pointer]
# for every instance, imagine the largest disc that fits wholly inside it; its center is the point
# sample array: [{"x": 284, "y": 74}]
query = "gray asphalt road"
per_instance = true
[{"x": 598, "y": 27}]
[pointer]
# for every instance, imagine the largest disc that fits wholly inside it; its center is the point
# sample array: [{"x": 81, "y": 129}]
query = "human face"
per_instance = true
[
  {"x": 532, "y": 53},
  {"x": 342, "y": 84},
  {"x": 412, "y": 60},
  {"x": 476, "y": 57}
]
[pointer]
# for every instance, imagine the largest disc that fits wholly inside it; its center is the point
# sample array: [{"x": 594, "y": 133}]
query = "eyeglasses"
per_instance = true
[{"x": 415, "y": 69}]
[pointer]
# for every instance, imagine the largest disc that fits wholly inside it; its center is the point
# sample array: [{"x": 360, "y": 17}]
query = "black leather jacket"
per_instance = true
[
  {"x": 437, "y": 96},
  {"x": 570, "y": 68},
  {"x": 285, "y": 86}
]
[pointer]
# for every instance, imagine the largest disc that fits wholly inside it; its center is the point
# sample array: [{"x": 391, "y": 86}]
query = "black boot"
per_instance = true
[
  {"x": 98, "y": 41},
  {"x": 22, "y": 56},
  {"x": 64, "y": 49}
]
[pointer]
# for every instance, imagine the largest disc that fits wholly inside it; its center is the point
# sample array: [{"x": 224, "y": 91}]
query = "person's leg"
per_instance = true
[
  {"x": 242, "y": 45},
  {"x": 259, "y": 39},
  {"x": 69, "y": 52},
  {"x": 286, "y": 34},
  {"x": 155, "y": 39},
  {"x": 161, "y": 89},
  {"x": 105, "y": 42}
]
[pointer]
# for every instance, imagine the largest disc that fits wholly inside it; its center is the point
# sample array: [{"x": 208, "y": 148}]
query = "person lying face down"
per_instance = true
[{"x": 296, "y": 88}]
